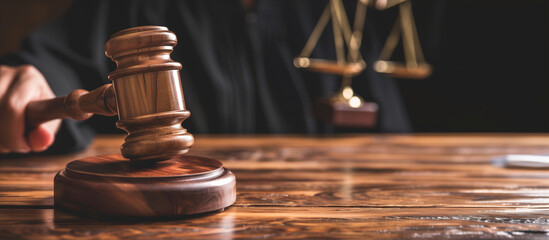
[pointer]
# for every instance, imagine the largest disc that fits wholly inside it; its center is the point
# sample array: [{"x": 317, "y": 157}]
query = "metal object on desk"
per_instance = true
[{"x": 522, "y": 161}]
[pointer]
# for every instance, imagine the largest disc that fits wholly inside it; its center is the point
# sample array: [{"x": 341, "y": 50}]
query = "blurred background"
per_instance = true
[{"x": 490, "y": 61}]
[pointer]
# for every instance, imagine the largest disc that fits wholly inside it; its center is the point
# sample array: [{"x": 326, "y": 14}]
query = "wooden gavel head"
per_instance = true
[{"x": 148, "y": 93}]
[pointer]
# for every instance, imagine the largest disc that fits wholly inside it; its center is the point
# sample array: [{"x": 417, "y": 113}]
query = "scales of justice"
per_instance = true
[
  {"x": 345, "y": 107},
  {"x": 153, "y": 177}
]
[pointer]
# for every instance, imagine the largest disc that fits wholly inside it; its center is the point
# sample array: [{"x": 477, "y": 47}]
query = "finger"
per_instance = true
[
  {"x": 23, "y": 89},
  {"x": 13, "y": 128},
  {"x": 7, "y": 75},
  {"x": 43, "y": 136}
]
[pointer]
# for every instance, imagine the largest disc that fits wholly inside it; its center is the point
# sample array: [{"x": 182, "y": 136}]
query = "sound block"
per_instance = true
[
  {"x": 110, "y": 185},
  {"x": 341, "y": 114}
]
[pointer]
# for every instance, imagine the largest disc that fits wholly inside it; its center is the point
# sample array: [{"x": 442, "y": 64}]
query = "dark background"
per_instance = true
[
  {"x": 490, "y": 68},
  {"x": 489, "y": 57}
]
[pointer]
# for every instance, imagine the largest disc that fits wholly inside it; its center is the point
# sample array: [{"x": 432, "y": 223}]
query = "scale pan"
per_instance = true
[
  {"x": 400, "y": 70},
  {"x": 330, "y": 67}
]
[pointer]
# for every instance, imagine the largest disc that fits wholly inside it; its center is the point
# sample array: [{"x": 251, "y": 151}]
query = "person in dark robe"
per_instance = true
[{"x": 237, "y": 74}]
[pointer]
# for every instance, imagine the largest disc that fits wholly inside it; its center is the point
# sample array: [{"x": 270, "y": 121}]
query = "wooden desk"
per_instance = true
[{"x": 367, "y": 186}]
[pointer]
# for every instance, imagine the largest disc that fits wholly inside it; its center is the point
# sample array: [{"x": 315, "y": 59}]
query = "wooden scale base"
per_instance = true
[
  {"x": 110, "y": 185},
  {"x": 341, "y": 114}
]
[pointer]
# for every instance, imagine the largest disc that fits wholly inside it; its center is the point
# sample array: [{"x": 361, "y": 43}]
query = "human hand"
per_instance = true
[{"x": 19, "y": 86}]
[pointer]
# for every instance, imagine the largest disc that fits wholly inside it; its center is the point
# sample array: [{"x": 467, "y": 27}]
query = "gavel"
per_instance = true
[{"x": 146, "y": 94}]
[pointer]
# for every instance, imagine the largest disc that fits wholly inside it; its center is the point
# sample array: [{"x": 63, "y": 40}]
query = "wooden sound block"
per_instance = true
[
  {"x": 110, "y": 185},
  {"x": 341, "y": 114}
]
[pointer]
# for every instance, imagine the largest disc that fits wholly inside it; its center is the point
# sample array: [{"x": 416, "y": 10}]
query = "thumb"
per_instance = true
[{"x": 43, "y": 136}]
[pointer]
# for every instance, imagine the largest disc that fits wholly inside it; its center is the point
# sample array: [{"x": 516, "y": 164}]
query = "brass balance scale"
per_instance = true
[{"x": 345, "y": 107}]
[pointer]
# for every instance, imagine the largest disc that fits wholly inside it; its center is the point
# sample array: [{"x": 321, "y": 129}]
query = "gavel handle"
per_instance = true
[{"x": 79, "y": 105}]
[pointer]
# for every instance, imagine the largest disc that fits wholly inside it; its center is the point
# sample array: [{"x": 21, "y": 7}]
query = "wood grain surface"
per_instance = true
[{"x": 436, "y": 186}]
